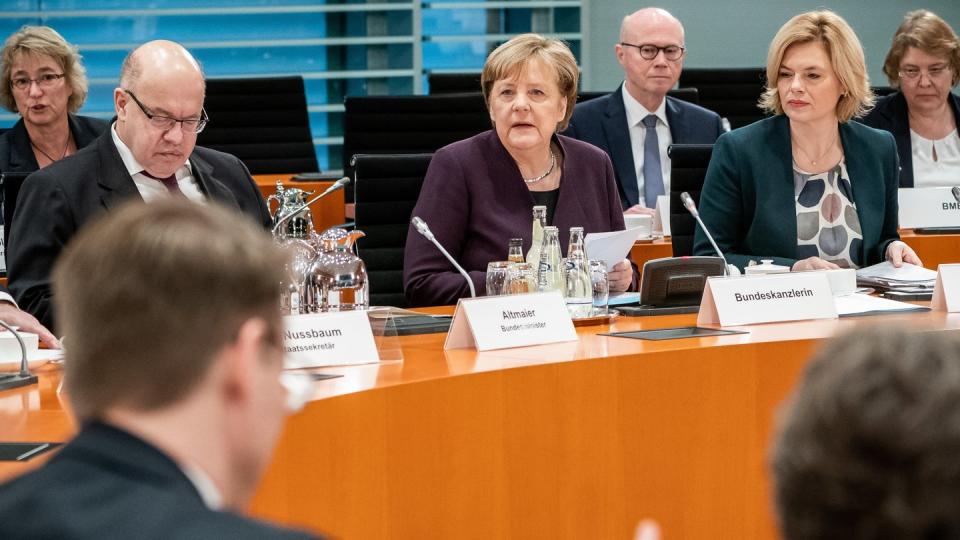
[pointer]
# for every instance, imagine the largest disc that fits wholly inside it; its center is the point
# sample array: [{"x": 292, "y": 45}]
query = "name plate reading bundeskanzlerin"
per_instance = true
[{"x": 794, "y": 296}]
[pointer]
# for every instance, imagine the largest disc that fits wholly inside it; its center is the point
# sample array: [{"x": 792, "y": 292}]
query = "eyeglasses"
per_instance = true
[
  {"x": 649, "y": 51},
  {"x": 933, "y": 72},
  {"x": 166, "y": 123},
  {"x": 46, "y": 80}
]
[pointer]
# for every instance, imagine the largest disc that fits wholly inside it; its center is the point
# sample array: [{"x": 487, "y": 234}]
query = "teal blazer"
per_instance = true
[{"x": 748, "y": 200}]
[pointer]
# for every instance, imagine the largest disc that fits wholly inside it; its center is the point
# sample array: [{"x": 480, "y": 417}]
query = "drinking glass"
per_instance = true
[
  {"x": 521, "y": 278},
  {"x": 497, "y": 277},
  {"x": 601, "y": 287}
]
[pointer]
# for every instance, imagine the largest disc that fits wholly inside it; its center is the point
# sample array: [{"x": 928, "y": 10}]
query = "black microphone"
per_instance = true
[
  {"x": 422, "y": 228},
  {"x": 692, "y": 208},
  {"x": 956, "y": 193},
  {"x": 336, "y": 185}
]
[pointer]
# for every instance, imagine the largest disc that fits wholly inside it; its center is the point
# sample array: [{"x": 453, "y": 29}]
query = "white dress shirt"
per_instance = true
[
  {"x": 150, "y": 188},
  {"x": 942, "y": 172},
  {"x": 638, "y": 134},
  {"x": 205, "y": 487}
]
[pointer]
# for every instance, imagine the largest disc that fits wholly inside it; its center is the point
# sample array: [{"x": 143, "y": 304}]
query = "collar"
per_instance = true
[
  {"x": 130, "y": 162},
  {"x": 636, "y": 112},
  {"x": 205, "y": 487}
]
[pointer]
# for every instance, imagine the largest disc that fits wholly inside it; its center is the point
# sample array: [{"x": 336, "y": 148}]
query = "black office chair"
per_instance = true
[
  {"x": 453, "y": 83},
  {"x": 386, "y": 189},
  {"x": 262, "y": 121},
  {"x": 688, "y": 167},
  {"x": 732, "y": 93},
  {"x": 690, "y": 95}
]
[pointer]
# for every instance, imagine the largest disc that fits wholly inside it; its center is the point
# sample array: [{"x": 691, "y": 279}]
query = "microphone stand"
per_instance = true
[
  {"x": 422, "y": 228},
  {"x": 692, "y": 208},
  {"x": 16, "y": 380}
]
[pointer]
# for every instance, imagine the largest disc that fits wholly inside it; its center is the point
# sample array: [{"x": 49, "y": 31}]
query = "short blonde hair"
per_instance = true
[
  {"x": 43, "y": 40},
  {"x": 846, "y": 59},
  {"x": 509, "y": 59},
  {"x": 926, "y": 31}
]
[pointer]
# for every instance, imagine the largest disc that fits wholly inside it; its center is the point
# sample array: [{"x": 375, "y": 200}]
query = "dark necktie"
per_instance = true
[
  {"x": 169, "y": 182},
  {"x": 652, "y": 174}
]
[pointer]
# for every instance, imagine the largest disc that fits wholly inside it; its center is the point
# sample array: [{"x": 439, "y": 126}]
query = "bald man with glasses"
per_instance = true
[
  {"x": 636, "y": 123},
  {"x": 148, "y": 154}
]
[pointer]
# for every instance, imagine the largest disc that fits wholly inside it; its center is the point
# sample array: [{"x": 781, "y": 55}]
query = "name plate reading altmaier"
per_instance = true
[
  {"x": 928, "y": 207},
  {"x": 500, "y": 322},
  {"x": 794, "y": 296},
  {"x": 328, "y": 339},
  {"x": 946, "y": 292}
]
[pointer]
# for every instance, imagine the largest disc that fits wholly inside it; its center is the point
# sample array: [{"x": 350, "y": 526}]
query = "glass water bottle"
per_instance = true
[
  {"x": 539, "y": 222},
  {"x": 550, "y": 271},
  {"x": 578, "y": 289}
]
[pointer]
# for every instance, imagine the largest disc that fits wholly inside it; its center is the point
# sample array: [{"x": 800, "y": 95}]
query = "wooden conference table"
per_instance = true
[{"x": 573, "y": 440}]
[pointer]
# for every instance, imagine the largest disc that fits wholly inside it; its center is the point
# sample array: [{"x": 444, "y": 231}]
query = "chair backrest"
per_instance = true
[
  {"x": 386, "y": 188},
  {"x": 453, "y": 83},
  {"x": 688, "y": 168},
  {"x": 262, "y": 121},
  {"x": 730, "y": 92},
  {"x": 690, "y": 95}
]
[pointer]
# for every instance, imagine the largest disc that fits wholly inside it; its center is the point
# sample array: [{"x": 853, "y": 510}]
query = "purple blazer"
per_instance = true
[{"x": 474, "y": 200}]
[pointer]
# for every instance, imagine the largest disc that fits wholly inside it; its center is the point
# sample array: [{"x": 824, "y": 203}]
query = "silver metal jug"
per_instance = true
[
  {"x": 337, "y": 279},
  {"x": 292, "y": 213}
]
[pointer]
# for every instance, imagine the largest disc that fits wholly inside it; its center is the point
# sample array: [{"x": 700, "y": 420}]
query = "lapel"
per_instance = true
[
  {"x": 81, "y": 136},
  {"x": 679, "y": 130},
  {"x": 22, "y": 158},
  {"x": 617, "y": 135},
  {"x": 867, "y": 183},
  {"x": 115, "y": 182},
  {"x": 570, "y": 211},
  {"x": 783, "y": 201},
  {"x": 899, "y": 122},
  {"x": 212, "y": 188}
]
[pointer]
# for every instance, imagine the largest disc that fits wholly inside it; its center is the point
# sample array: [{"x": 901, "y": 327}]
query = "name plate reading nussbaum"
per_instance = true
[
  {"x": 519, "y": 320},
  {"x": 946, "y": 292},
  {"x": 328, "y": 339},
  {"x": 794, "y": 296},
  {"x": 928, "y": 207}
]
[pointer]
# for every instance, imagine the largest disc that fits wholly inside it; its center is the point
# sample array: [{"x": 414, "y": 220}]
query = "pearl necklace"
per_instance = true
[{"x": 553, "y": 163}]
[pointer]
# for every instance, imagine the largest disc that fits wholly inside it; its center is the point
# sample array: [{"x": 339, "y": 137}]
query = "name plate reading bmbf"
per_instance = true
[
  {"x": 794, "y": 296},
  {"x": 928, "y": 207},
  {"x": 328, "y": 339},
  {"x": 520, "y": 320},
  {"x": 946, "y": 292}
]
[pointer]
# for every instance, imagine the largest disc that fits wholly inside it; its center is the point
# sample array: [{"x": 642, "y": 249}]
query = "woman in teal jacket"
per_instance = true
[{"x": 807, "y": 187}]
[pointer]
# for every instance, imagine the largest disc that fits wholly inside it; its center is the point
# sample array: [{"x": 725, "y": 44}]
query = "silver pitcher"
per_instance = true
[
  {"x": 291, "y": 213},
  {"x": 337, "y": 280}
]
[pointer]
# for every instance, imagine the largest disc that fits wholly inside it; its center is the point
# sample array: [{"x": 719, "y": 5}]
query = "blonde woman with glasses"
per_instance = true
[
  {"x": 42, "y": 80},
  {"x": 923, "y": 115}
]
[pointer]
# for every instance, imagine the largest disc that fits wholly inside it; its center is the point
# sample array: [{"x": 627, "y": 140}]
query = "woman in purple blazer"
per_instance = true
[{"x": 480, "y": 192}]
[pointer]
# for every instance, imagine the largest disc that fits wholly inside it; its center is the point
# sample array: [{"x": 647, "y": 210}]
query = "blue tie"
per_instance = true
[{"x": 652, "y": 174}]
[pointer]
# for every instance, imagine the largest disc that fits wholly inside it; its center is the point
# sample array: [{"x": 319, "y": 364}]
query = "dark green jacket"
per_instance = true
[{"x": 748, "y": 200}]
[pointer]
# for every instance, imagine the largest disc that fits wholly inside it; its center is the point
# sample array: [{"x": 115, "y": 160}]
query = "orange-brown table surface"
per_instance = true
[
  {"x": 933, "y": 249},
  {"x": 572, "y": 440},
  {"x": 327, "y": 212}
]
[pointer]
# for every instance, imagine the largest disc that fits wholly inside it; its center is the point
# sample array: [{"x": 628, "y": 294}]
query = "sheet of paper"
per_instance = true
[
  {"x": 907, "y": 272},
  {"x": 611, "y": 247},
  {"x": 853, "y": 304}
]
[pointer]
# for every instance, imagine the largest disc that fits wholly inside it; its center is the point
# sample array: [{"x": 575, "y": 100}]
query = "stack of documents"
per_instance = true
[{"x": 908, "y": 278}]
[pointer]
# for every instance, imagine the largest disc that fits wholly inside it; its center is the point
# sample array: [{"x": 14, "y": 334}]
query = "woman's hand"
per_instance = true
[
  {"x": 620, "y": 276},
  {"x": 812, "y": 263},
  {"x": 898, "y": 252}
]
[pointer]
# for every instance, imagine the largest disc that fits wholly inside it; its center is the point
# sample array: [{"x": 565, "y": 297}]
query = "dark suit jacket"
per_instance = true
[
  {"x": 109, "y": 484},
  {"x": 475, "y": 201},
  {"x": 602, "y": 122},
  {"x": 56, "y": 201},
  {"x": 892, "y": 114},
  {"x": 17, "y": 156},
  {"x": 748, "y": 200}
]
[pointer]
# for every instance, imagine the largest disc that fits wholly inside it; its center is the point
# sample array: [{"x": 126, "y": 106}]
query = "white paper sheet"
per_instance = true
[
  {"x": 908, "y": 272},
  {"x": 611, "y": 247},
  {"x": 854, "y": 304}
]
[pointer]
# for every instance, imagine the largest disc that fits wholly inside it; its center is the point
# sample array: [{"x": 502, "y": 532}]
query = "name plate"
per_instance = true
[
  {"x": 328, "y": 339},
  {"x": 946, "y": 292},
  {"x": 928, "y": 207},
  {"x": 795, "y": 296},
  {"x": 500, "y": 322}
]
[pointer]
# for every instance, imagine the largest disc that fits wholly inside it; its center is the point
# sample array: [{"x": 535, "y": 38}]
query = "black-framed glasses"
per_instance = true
[
  {"x": 166, "y": 123},
  {"x": 45, "y": 80},
  {"x": 648, "y": 51}
]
